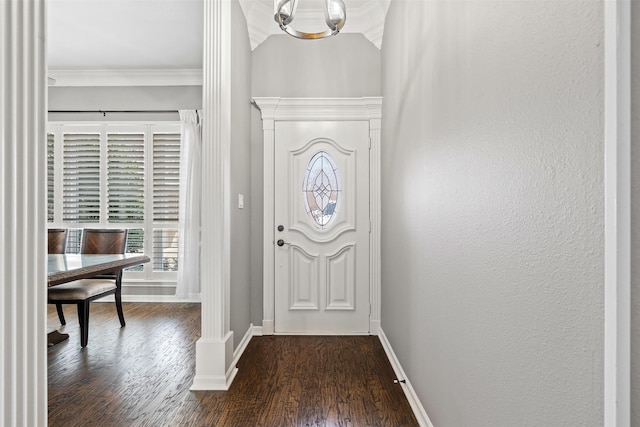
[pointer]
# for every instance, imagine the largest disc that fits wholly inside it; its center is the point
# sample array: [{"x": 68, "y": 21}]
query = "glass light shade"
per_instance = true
[
  {"x": 335, "y": 15},
  {"x": 285, "y": 10}
]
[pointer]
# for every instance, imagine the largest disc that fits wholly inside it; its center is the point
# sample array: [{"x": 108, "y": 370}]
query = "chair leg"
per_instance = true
[
  {"x": 83, "y": 319},
  {"x": 119, "y": 308},
  {"x": 60, "y": 314}
]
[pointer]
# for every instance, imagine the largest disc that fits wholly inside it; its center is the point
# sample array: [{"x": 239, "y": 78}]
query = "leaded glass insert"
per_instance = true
[{"x": 322, "y": 189}]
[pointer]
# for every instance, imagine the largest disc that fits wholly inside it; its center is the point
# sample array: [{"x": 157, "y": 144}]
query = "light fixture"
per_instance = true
[{"x": 335, "y": 15}]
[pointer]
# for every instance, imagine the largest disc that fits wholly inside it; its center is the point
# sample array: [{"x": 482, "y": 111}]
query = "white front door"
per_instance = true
[{"x": 322, "y": 226}]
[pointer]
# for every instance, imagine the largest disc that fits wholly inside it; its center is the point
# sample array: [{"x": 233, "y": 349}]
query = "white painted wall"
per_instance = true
[
  {"x": 123, "y": 98},
  {"x": 347, "y": 65},
  {"x": 635, "y": 214},
  {"x": 341, "y": 66},
  {"x": 492, "y": 242},
  {"x": 240, "y": 175}
]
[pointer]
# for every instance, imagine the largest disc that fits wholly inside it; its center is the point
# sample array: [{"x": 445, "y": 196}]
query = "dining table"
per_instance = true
[{"x": 66, "y": 268}]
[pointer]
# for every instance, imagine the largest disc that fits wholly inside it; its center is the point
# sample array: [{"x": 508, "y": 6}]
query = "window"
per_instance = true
[
  {"x": 118, "y": 176},
  {"x": 321, "y": 188},
  {"x": 50, "y": 173}
]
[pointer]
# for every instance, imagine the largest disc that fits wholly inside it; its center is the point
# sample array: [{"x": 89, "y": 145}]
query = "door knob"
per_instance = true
[{"x": 281, "y": 242}]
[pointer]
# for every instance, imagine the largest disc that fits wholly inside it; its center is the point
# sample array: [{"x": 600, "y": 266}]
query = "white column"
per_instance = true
[
  {"x": 23, "y": 345},
  {"x": 214, "y": 350},
  {"x": 617, "y": 220}
]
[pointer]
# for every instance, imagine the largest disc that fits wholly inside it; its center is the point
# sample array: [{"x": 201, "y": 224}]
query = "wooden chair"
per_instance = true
[
  {"x": 57, "y": 240},
  {"x": 82, "y": 292},
  {"x": 57, "y": 244}
]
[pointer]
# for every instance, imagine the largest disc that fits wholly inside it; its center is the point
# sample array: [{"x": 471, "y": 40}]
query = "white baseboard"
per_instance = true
[
  {"x": 237, "y": 353},
  {"x": 257, "y": 331},
  {"x": 149, "y": 298},
  {"x": 157, "y": 298},
  {"x": 416, "y": 405}
]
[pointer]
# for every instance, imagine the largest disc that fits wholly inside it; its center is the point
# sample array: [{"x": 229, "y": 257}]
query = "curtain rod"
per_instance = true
[{"x": 104, "y": 112}]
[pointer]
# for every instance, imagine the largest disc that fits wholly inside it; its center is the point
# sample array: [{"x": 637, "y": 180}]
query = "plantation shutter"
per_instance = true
[
  {"x": 114, "y": 175},
  {"x": 165, "y": 249},
  {"x": 81, "y": 177},
  {"x": 166, "y": 200},
  {"x": 74, "y": 237},
  {"x": 125, "y": 177},
  {"x": 166, "y": 177},
  {"x": 135, "y": 245},
  {"x": 50, "y": 179}
]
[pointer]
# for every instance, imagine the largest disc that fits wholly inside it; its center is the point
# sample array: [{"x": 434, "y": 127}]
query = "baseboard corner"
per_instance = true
[{"x": 242, "y": 346}]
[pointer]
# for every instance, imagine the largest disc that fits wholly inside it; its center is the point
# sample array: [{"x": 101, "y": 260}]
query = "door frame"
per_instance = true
[
  {"x": 274, "y": 109},
  {"x": 617, "y": 213}
]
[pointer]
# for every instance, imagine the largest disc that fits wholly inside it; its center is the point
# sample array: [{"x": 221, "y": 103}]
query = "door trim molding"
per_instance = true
[
  {"x": 319, "y": 109},
  {"x": 617, "y": 215}
]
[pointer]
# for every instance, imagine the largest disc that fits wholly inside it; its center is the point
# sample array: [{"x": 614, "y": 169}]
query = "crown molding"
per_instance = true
[
  {"x": 184, "y": 77},
  {"x": 260, "y": 23},
  {"x": 367, "y": 20}
]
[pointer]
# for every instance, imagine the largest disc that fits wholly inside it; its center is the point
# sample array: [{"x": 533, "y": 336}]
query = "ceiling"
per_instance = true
[
  {"x": 124, "y": 34},
  {"x": 129, "y": 35}
]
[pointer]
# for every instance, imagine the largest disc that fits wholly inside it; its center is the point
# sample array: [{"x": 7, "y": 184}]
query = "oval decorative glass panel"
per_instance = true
[{"x": 322, "y": 189}]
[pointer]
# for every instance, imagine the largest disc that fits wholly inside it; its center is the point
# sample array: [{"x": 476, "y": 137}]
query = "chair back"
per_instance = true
[
  {"x": 104, "y": 242},
  {"x": 57, "y": 240}
]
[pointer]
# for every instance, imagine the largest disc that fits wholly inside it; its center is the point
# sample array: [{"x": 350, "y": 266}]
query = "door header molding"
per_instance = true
[{"x": 320, "y": 109}]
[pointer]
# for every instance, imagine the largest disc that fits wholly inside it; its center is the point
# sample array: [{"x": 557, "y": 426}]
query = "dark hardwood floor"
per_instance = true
[{"x": 140, "y": 376}]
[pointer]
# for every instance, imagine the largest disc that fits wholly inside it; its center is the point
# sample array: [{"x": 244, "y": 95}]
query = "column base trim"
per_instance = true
[{"x": 212, "y": 358}]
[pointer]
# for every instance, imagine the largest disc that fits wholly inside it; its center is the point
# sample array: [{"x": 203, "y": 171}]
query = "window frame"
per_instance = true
[{"x": 148, "y": 128}]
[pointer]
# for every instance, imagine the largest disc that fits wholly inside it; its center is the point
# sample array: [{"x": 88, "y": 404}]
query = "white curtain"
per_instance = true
[{"x": 188, "y": 286}]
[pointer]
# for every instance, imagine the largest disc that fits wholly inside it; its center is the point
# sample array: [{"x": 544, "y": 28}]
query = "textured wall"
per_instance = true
[
  {"x": 492, "y": 243},
  {"x": 344, "y": 66},
  {"x": 240, "y": 174},
  {"x": 635, "y": 214}
]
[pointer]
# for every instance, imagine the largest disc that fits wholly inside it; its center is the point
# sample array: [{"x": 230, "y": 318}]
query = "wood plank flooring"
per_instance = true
[{"x": 140, "y": 376}]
